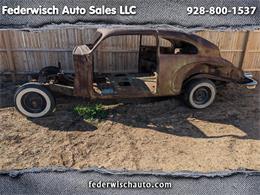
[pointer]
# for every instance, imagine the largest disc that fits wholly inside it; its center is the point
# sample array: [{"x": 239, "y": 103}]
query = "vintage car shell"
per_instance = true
[{"x": 173, "y": 71}]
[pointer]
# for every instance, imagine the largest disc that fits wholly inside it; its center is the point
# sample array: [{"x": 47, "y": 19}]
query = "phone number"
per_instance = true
[{"x": 221, "y": 10}]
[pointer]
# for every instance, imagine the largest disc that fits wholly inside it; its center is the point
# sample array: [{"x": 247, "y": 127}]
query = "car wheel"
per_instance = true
[
  {"x": 200, "y": 93},
  {"x": 34, "y": 100}
]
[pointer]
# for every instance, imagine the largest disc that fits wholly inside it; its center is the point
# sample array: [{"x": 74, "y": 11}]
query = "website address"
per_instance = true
[{"x": 128, "y": 185}]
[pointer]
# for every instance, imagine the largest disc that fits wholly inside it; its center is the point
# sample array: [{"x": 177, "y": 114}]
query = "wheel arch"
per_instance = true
[{"x": 212, "y": 70}]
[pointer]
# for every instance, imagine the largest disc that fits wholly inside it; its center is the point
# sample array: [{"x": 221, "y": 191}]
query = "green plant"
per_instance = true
[{"x": 91, "y": 111}]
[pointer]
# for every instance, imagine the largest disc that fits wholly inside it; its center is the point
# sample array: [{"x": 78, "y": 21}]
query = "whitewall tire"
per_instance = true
[
  {"x": 34, "y": 100},
  {"x": 200, "y": 93}
]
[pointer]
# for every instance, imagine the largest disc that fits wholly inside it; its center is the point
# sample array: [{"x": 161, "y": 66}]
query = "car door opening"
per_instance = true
[{"x": 126, "y": 81}]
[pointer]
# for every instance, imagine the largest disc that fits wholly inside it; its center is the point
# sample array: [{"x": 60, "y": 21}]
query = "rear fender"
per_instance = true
[{"x": 225, "y": 72}]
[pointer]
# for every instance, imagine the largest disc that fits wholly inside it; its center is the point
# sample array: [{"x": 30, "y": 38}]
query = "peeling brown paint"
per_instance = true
[{"x": 173, "y": 69}]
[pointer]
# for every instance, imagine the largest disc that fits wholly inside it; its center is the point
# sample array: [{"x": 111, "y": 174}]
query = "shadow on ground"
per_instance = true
[{"x": 234, "y": 114}]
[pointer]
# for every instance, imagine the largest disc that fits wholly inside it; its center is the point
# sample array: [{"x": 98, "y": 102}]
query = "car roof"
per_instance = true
[{"x": 171, "y": 34}]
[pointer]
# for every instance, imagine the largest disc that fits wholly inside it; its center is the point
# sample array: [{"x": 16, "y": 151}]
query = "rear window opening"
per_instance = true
[
  {"x": 176, "y": 47},
  {"x": 182, "y": 47}
]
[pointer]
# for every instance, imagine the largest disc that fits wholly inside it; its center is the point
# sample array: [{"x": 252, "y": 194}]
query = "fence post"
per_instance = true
[
  {"x": 245, "y": 49},
  {"x": 8, "y": 47}
]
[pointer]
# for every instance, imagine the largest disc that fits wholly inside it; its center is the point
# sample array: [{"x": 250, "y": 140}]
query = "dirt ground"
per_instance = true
[{"x": 160, "y": 135}]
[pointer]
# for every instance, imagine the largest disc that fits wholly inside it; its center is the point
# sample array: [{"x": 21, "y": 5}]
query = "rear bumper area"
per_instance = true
[{"x": 249, "y": 82}]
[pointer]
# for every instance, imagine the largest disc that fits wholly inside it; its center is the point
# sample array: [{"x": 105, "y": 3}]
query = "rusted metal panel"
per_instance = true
[
  {"x": 175, "y": 69},
  {"x": 170, "y": 69}
]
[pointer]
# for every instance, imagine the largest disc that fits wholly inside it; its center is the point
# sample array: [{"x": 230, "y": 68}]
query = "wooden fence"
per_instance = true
[
  {"x": 240, "y": 47},
  {"x": 27, "y": 52}
]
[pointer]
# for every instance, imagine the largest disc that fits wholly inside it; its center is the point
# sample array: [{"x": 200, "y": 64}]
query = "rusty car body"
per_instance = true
[{"x": 162, "y": 70}]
